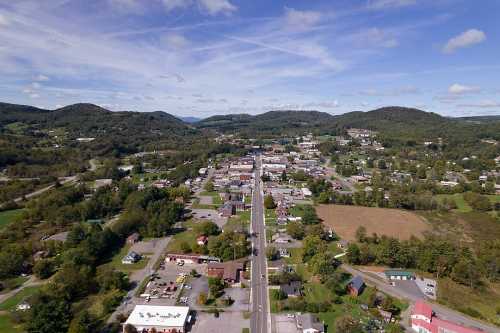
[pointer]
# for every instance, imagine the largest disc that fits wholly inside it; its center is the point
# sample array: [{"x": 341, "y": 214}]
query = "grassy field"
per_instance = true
[
  {"x": 462, "y": 205},
  {"x": 216, "y": 200},
  {"x": 116, "y": 261},
  {"x": 270, "y": 215},
  {"x": 345, "y": 220},
  {"x": 8, "y": 216},
  {"x": 239, "y": 221},
  {"x": 8, "y": 326},
  {"x": 10, "y": 303},
  {"x": 187, "y": 236}
]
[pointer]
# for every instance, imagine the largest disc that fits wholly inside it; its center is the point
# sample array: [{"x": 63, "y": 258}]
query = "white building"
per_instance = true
[
  {"x": 162, "y": 318},
  {"x": 306, "y": 192}
]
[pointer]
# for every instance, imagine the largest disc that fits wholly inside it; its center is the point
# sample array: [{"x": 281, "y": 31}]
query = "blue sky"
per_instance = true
[{"x": 205, "y": 57}]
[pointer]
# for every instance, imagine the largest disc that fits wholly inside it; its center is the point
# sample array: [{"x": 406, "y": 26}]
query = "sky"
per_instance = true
[{"x": 205, "y": 57}]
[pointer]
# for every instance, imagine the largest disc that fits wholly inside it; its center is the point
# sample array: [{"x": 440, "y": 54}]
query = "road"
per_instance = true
[
  {"x": 441, "y": 311},
  {"x": 260, "y": 303},
  {"x": 138, "y": 276},
  {"x": 347, "y": 187}
]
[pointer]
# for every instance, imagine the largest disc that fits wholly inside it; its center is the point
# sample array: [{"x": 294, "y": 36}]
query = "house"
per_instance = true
[
  {"x": 23, "y": 306},
  {"x": 281, "y": 238},
  {"x": 284, "y": 253},
  {"x": 202, "y": 240},
  {"x": 386, "y": 315},
  {"x": 131, "y": 258},
  {"x": 171, "y": 319},
  {"x": 306, "y": 192},
  {"x": 229, "y": 271},
  {"x": 309, "y": 323},
  {"x": 292, "y": 289},
  {"x": 134, "y": 238},
  {"x": 395, "y": 274},
  {"x": 355, "y": 286},
  {"x": 424, "y": 320},
  {"x": 227, "y": 210},
  {"x": 343, "y": 244}
]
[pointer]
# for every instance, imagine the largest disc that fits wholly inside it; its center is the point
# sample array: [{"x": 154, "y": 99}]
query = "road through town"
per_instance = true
[{"x": 260, "y": 302}]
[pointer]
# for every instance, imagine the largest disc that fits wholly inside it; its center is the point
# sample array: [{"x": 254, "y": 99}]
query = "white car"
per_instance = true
[{"x": 290, "y": 315}]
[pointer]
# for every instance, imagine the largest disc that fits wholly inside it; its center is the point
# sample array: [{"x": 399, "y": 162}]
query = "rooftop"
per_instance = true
[{"x": 156, "y": 315}]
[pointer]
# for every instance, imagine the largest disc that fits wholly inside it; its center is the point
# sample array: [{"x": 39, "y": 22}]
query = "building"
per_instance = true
[
  {"x": 167, "y": 319},
  {"x": 356, "y": 286},
  {"x": 190, "y": 258},
  {"x": 292, "y": 289},
  {"x": 202, "y": 240},
  {"x": 395, "y": 274},
  {"x": 424, "y": 320},
  {"x": 281, "y": 238},
  {"x": 131, "y": 258},
  {"x": 227, "y": 210},
  {"x": 309, "y": 323},
  {"x": 229, "y": 271},
  {"x": 134, "y": 238}
]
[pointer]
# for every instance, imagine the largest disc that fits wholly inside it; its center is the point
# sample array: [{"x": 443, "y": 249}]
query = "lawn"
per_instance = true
[
  {"x": 240, "y": 221},
  {"x": 116, "y": 261},
  {"x": 11, "y": 284},
  {"x": 187, "y": 236},
  {"x": 8, "y": 326},
  {"x": 10, "y": 303},
  {"x": 9, "y": 216},
  {"x": 216, "y": 200},
  {"x": 462, "y": 205}
]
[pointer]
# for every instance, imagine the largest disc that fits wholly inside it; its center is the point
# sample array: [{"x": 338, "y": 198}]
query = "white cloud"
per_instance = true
[
  {"x": 175, "y": 41},
  {"x": 465, "y": 39},
  {"x": 485, "y": 104},
  {"x": 3, "y": 20},
  {"x": 384, "y": 4},
  {"x": 322, "y": 105},
  {"x": 174, "y": 4},
  {"x": 34, "y": 95},
  {"x": 214, "y": 7},
  {"x": 41, "y": 78},
  {"x": 298, "y": 19},
  {"x": 459, "y": 89}
]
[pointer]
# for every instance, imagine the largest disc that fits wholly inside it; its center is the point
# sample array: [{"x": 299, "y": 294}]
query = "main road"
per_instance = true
[{"x": 260, "y": 302}]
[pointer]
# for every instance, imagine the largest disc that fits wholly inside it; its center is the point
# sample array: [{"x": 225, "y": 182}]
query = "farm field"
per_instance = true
[{"x": 345, "y": 220}]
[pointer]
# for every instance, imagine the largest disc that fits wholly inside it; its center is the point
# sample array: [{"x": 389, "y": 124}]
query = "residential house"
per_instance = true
[
  {"x": 202, "y": 240},
  {"x": 284, "y": 253},
  {"x": 292, "y": 289},
  {"x": 227, "y": 210},
  {"x": 356, "y": 286},
  {"x": 131, "y": 258},
  {"x": 134, "y": 238},
  {"x": 309, "y": 323},
  {"x": 229, "y": 271},
  {"x": 281, "y": 238}
]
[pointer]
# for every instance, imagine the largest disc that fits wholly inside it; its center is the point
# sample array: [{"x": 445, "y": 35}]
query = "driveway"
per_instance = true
[
  {"x": 209, "y": 214},
  {"x": 228, "y": 322}
]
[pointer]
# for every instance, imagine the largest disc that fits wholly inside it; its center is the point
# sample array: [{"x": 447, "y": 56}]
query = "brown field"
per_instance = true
[{"x": 345, "y": 220}]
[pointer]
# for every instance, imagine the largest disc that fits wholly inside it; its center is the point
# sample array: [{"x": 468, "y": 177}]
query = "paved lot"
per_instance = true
[
  {"x": 228, "y": 322},
  {"x": 425, "y": 286},
  {"x": 206, "y": 200},
  {"x": 285, "y": 324},
  {"x": 409, "y": 287},
  {"x": 145, "y": 246},
  {"x": 241, "y": 297},
  {"x": 209, "y": 214}
]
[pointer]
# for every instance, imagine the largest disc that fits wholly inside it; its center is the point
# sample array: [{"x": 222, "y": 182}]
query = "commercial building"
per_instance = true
[{"x": 165, "y": 319}]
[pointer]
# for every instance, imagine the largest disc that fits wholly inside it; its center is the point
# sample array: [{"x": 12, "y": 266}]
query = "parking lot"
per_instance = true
[
  {"x": 227, "y": 322},
  {"x": 284, "y": 324},
  {"x": 209, "y": 214}
]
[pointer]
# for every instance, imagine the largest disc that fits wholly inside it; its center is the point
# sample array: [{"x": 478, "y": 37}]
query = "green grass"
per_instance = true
[
  {"x": 317, "y": 292},
  {"x": 486, "y": 301},
  {"x": 13, "y": 283},
  {"x": 462, "y": 205},
  {"x": 216, "y": 200},
  {"x": 494, "y": 198},
  {"x": 295, "y": 256},
  {"x": 9, "y": 216},
  {"x": 188, "y": 236},
  {"x": 240, "y": 221},
  {"x": 10, "y": 303},
  {"x": 8, "y": 326},
  {"x": 116, "y": 261}
]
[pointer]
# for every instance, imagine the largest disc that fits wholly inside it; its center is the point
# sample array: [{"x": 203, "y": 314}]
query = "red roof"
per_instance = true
[
  {"x": 449, "y": 326},
  {"x": 422, "y": 308}
]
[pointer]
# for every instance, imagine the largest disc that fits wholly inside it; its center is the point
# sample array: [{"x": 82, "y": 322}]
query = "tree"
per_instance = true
[
  {"x": 347, "y": 324},
  {"x": 129, "y": 329},
  {"x": 361, "y": 234},
  {"x": 269, "y": 202},
  {"x": 209, "y": 186},
  {"x": 272, "y": 253},
  {"x": 207, "y": 228},
  {"x": 309, "y": 215},
  {"x": 44, "y": 268},
  {"x": 215, "y": 286},
  {"x": 202, "y": 298},
  {"x": 49, "y": 314},
  {"x": 353, "y": 254},
  {"x": 312, "y": 245},
  {"x": 83, "y": 323},
  {"x": 295, "y": 229}
]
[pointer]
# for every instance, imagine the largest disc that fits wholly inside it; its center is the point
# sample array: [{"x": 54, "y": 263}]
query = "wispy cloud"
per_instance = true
[
  {"x": 464, "y": 40},
  {"x": 484, "y": 104},
  {"x": 459, "y": 89},
  {"x": 384, "y": 4}
]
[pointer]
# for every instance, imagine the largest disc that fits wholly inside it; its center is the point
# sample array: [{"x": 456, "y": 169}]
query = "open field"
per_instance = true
[
  {"x": 462, "y": 205},
  {"x": 8, "y": 216},
  {"x": 345, "y": 220},
  {"x": 11, "y": 303},
  {"x": 7, "y": 325}
]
